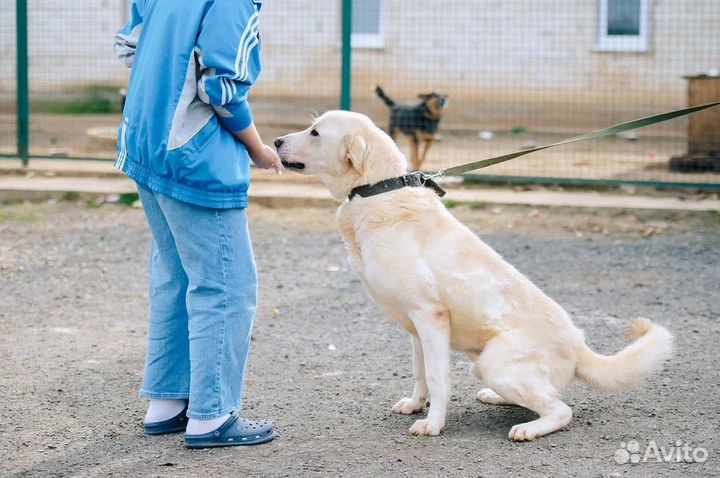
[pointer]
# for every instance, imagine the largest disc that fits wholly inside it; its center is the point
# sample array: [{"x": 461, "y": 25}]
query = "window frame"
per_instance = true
[
  {"x": 373, "y": 41},
  {"x": 623, "y": 43}
]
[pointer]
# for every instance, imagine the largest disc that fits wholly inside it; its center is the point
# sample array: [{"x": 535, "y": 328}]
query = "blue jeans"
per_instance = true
[{"x": 203, "y": 293}]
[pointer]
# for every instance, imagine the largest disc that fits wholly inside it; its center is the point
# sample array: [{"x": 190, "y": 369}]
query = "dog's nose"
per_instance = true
[{"x": 279, "y": 142}]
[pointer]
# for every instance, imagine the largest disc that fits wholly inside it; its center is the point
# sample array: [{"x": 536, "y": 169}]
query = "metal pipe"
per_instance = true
[
  {"x": 23, "y": 100},
  {"x": 346, "y": 67}
]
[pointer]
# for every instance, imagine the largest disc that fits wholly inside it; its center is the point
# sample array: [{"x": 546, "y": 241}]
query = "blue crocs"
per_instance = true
[
  {"x": 235, "y": 431},
  {"x": 176, "y": 424}
]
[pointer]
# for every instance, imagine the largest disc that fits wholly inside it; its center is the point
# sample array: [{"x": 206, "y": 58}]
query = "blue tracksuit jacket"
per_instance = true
[{"x": 193, "y": 63}]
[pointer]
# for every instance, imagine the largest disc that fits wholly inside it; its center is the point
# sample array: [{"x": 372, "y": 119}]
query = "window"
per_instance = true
[
  {"x": 367, "y": 31},
  {"x": 624, "y": 25}
]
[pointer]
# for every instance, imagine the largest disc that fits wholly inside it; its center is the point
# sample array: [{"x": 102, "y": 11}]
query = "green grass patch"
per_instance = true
[
  {"x": 17, "y": 216},
  {"x": 477, "y": 205},
  {"x": 94, "y": 99},
  {"x": 450, "y": 203},
  {"x": 11, "y": 201},
  {"x": 128, "y": 199},
  {"x": 70, "y": 196}
]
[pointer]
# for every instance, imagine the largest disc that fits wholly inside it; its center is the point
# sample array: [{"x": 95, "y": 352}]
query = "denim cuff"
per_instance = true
[
  {"x": 164, "y": 395},
  {"x": 211, "y": 415}
]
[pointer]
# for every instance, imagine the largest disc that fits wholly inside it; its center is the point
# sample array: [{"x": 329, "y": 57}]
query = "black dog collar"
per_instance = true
[{"x": 409, "y": 180}]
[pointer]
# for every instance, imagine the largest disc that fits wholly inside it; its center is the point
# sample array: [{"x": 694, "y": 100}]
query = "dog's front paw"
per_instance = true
[
  {"x": 524, "y": 432},
  {"x": 426, "y": 428},
  {"x": 408, "y": 406}
]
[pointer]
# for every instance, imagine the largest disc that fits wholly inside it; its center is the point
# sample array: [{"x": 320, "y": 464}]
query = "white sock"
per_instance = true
[
  {"x": 201, "y": 427},
  {"x": 161, "y": 410}
]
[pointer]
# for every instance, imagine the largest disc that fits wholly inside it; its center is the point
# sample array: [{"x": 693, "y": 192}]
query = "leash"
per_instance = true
[
  {"x": 418, "y": 179},
  {"x": 619, "y": 128}
]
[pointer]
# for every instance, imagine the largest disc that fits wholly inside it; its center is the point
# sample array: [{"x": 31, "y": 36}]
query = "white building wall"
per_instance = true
[
  {"x": 70, "y": 44},
  {"x": 7, "y": 48},
  {"x": 512, "y": 51},
  {"x": 521, "y": 48}
]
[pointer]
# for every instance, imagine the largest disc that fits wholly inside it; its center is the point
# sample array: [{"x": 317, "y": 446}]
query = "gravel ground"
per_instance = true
[{"x": 327, "y": 367}]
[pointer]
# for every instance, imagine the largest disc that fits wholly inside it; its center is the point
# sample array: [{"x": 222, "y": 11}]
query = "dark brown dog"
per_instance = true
[{"x": 419, "y": 122}]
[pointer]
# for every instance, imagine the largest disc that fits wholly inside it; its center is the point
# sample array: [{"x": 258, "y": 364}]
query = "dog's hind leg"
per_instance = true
[
  {"x": 554, "y": 413},
  {"x": 526, "y": 383},
  {"x": 423, "y": 155},
  {"x": 489, "y": 396},
  {"x": 433, "y": 329},
  {"x": 393, "y": 132},
  {"x": 414, "y": 153},
  {"x": 416, "y": 403}
]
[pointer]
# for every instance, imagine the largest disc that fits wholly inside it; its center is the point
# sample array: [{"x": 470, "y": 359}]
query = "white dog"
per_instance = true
[{"x": 450, "y": 290}]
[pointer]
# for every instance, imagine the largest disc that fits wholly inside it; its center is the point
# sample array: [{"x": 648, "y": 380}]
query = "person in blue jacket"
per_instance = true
[{"x": 187, "y": 138}]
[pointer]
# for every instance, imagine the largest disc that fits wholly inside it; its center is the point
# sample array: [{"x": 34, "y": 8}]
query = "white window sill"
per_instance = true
[
  {"x": 367, "y": 41},
  {"x": 622, "y": 45}
]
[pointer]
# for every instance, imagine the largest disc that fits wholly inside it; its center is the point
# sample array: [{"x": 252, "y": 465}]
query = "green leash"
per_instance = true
[{"x": 639, "y": 123}]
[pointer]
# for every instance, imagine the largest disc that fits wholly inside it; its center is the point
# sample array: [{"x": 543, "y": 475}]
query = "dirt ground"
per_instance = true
[{"x": 326, "y": 366}]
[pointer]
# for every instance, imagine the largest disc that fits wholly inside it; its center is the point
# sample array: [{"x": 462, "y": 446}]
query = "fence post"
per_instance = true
[
  {"x": 23, "y": 102},
  {"x": 346, "y": 68}
]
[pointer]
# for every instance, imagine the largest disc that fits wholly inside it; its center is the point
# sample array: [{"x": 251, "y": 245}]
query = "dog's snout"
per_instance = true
[{"x": 279, "y": 142}]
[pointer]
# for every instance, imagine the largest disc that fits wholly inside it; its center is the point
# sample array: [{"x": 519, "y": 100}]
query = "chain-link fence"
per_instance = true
[
  {"x": 507, "y": 75},
  {"x": 8, "y": 79}
]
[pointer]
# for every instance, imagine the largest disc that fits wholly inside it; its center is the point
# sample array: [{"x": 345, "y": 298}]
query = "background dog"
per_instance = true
[
  {"x": 419, "y": 122},
  {"x": 449, "y": 290}
]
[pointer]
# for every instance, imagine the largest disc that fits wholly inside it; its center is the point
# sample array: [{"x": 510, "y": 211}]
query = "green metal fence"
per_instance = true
[{"x": 517, "y": 74}]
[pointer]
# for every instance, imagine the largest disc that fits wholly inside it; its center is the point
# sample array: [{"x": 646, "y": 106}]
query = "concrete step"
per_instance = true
[
  {"x": 101, "y": 169},
  {"x": 59, "y": 168},
  {"x": 280, "y": 192}
]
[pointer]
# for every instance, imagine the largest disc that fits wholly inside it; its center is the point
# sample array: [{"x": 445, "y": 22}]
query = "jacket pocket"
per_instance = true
[{"x": 202, "y": 139}]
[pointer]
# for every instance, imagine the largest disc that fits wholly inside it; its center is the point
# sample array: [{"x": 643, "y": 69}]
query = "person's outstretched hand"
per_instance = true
[
  {"x": 262, "y": 155},
  {"x": 266, "y": 158}
]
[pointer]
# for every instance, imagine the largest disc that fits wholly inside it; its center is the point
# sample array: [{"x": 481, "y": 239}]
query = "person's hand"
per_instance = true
[{"x": 266, "y": 158}]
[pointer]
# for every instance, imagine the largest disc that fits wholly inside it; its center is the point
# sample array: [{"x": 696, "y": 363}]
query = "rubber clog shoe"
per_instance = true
[
  {"x": 176, "y": 424},
  {"x": 235, "y": 431}
]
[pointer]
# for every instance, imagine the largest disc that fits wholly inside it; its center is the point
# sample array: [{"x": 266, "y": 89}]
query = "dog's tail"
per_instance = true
[
  {"x": 384, "y": 97},
  {"x": 652, "y": 345}
]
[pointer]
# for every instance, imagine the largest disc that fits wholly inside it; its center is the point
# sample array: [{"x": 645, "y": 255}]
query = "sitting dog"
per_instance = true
[
  {"x": 449, "y": 290},
  {"x": 419, "y": 122}
]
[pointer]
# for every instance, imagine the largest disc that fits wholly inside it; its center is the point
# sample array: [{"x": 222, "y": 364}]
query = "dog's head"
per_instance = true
[
  {"x": 435, "y": 103},
  {"x": 344, "y": 150}
]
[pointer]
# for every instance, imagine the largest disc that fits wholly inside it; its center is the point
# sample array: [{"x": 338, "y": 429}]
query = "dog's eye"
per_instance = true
[{"x": 314, "y": 133}]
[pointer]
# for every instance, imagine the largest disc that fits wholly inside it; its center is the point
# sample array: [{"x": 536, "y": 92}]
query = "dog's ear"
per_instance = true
[
  {"x": 424, "y": 96},
  {"x": 355, "y": 152}
]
